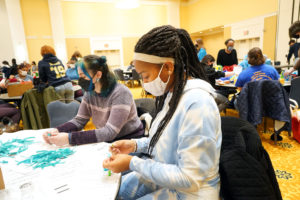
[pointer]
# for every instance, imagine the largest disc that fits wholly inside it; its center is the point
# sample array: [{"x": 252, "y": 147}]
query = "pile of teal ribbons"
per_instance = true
[
  {"x": 46, "y": 158},
  {"x": 14, "y": 146}
]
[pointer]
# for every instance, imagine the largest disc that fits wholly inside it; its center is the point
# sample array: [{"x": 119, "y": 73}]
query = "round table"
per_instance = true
[{"x": 79, "y": 176}]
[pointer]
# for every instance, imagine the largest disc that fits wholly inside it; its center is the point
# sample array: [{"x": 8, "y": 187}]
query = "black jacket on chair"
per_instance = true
[
  {"x": 246, "y": 170},
  {"x": 264, "y": 98}
]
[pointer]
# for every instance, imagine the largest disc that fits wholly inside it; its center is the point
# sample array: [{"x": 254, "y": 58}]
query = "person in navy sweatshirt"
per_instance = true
[{"x": 52, "y": 71}]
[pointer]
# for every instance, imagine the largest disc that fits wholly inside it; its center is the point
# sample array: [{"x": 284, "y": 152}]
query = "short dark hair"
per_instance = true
[
  {"x": 292, "y": 41},
  {"x": 5, "y": 62},
  {"x": 14, "y": 61},
  {"x": 256, "y": 57},
  {"x": 33, "y": 63},
  {"x": 294, "y": 29},
  {"x": 208, "y": 58},
  {"x": 228, "y": 40}
]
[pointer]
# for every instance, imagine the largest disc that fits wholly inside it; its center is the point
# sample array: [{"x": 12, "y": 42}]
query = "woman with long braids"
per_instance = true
[{"x": 185, "y": 135}]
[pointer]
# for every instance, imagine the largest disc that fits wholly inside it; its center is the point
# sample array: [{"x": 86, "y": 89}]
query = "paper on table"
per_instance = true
[{"x": 81, "y": 176}]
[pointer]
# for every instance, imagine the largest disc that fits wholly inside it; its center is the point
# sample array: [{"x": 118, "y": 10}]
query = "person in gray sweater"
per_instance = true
[{"x": 108, "y": 103}]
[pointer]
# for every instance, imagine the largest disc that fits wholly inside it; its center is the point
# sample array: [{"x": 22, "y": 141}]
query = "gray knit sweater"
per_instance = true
[{"x": 114, "y": 116}]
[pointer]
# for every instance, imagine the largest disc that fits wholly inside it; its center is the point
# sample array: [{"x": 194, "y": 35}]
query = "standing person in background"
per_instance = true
[
  {"x": 228, "y": 56},
  {"x": 13, "y": 68},
  {"x": 202, "y": 51},
  {"x": 34, "y": 67},
  {"x": 294, "y": 47},
  {"x": 6, "y": 69},
  {"x": 294, "y": 32},
  {"x": 52, "y": 71}
]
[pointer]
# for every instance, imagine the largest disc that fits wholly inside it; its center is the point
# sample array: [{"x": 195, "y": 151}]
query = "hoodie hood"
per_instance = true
[
  {"x": 200, "y": 84},
  {"x": 50, "y": 58}
]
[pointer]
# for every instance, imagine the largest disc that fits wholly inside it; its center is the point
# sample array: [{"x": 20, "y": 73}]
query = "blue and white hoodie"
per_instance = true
[{"x": 185, "y": 163}]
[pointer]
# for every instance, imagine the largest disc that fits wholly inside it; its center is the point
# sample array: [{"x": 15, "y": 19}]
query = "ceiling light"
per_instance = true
[{"x": 127, "y": 4}]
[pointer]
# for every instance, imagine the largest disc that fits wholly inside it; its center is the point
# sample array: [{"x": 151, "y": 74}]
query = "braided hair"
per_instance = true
[{"x": 167, "y": 41}]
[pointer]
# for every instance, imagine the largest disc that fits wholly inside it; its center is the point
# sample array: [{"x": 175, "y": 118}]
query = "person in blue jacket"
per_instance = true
[
  {"x": 52, "y": 71},
  {"x": 185, "y": 137},
  {"x": 202, "y": 51}
]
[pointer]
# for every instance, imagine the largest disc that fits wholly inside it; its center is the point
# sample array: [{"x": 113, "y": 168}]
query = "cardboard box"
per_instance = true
[
  {"x": 2, "y": 185},
  {"x": 18, "y": 89}
]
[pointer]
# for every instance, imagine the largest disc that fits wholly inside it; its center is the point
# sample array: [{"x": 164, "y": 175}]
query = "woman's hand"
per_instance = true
[
  {"x": 48, "y": 133},
  {"x": 123, "y": 147},
  {"x": 60, "y": 139},
  {"x": 117, "y": 163},
  {"x": 53, "y": 136},
  {"x": 288, "y": 72}
]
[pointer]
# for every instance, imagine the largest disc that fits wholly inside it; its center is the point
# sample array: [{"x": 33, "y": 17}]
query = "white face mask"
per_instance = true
[
  {"x": 156, "y": 87},
  {"x": 23, "y": 73}
]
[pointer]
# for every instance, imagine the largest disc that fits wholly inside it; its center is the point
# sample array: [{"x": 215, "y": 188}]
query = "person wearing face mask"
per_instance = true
[
  {"x": 185, "y": 136},
  {"x": 108, "y": 103},
  {"x": 53, "y": 73},
  {"x": 23, "y": 73},
  {"x": 228, "y": 56},
  {"x": 207, "y": 63}
]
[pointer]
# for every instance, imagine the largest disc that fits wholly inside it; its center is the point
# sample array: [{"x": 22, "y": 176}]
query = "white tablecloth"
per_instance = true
[{"x": 80, "y": 176}]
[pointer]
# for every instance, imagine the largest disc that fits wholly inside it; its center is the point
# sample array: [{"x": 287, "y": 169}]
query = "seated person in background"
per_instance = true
[
  {"x": 207, "y": 63},
  {"x": 23, "y": 73},
  {"x": 52, "y": 71},
  {"x": 244, "y": 64},
  {"x": 258, "y": 70},
  {"x": 108, "y": 103}
]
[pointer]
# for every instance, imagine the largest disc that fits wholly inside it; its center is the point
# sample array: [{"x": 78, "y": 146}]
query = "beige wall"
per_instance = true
[
  {"x": 270, "y": 26},
  {"x": 205, "y": 14},
  {"x": 37, "y": 26}
]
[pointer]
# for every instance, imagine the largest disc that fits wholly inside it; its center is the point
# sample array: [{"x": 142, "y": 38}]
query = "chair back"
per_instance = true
[
  {"x": 135, "y": 75},
  {"x": 246, "y": 171},
  {"x": 145, "y": 105},
  {"x": 295, "y": 90},
  {"x": 60, "y": 113},
  {"x": 119, "y": 74},
  {"x": 264, "y": 98}
]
